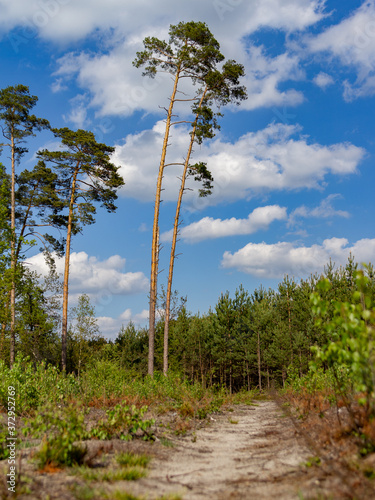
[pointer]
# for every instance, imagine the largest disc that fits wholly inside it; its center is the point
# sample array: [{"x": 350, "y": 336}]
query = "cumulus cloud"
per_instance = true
[
  {"x": 97, "y": 278},
  {"x": 110, "y": 327},
  {"x": 274, "y": 260},
  {"x": 264, "y": 74},
  {"x": 78, "y": 114},
  {"x": 209, "y": 228},
  {"x": 324, "y": 210},
  {"x": 352, "y": 42},
  {"x": 323, "y": 80},
  {"x": 71, "y": 20},
  {"x": 278, "y": 157},
  {"x": 117, "y": 88}
]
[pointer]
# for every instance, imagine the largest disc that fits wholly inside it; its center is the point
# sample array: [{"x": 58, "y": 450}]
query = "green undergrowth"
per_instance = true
[{"x": 104, "y": 384}]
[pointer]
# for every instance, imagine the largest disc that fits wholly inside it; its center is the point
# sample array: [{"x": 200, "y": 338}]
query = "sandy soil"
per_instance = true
[{"x": 252, "y": 452}]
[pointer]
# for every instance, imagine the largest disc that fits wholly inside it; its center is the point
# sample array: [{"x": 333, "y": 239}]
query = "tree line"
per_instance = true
[
  {"x": 243, "y": 341},
  {"x": 63, "y": 188},
  {"x": 59, "y": 193}
]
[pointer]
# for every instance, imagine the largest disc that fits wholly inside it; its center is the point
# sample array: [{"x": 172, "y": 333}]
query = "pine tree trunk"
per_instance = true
[
  {"x": 13, "y": 256},
  {"x": 64, "y": 328},
  {"x": 155, "y": 233},
  {"x": 290, "y": 327},
  {"x": 174, "y": 240},
  {"x": 259, "y": 370}
]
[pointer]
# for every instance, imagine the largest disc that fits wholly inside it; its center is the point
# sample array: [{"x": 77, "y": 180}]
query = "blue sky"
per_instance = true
[{"x": 293, "y": 165}]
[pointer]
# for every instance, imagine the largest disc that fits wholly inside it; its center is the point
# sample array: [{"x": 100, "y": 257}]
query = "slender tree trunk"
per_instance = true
[
  {"x": 174, "y": 239},
  {"x": 290, "y": 326},
  {"x": 155, "y": 233},
  {"x": 64, "y": 332},
  {"x": 3, "y": 326},
  {"x": 259, "y": 371},
  {"x": 13, "y": 256}
]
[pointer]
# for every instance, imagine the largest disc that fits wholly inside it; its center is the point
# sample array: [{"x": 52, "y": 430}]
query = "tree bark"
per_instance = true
[
  {"x": 174, "y": 240},
  {"x": 64, "y": 328},
  {"x": 13, "y": 255},
  {"x": 259, "y": 370},
  {"x": 290, "y": 326},
  {"x": 155, "y": 233}
]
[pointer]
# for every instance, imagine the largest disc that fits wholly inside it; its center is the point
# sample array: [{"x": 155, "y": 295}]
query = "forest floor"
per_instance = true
[{"x": 250, "y": 452}]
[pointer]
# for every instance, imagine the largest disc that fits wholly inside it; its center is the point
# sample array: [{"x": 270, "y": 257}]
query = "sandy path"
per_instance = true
[{"x": 253, "y": 452}]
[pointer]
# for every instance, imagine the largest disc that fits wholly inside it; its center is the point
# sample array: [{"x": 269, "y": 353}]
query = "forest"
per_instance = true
[{"x": 310, "y": 340}]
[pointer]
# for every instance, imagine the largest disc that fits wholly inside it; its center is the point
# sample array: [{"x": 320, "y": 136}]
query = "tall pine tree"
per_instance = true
[{"x": 87, "y": 177}]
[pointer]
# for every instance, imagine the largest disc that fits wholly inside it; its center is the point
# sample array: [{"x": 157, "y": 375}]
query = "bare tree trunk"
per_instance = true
[
  {"x": 259, "y": 371},
  {"x": 64, "y": 329},
  {"x": 155, "y": 233},
  {"x": 174, "y": 239},
  {"x": 290, "y": 325},
  {"x": 13, "y": 256}
]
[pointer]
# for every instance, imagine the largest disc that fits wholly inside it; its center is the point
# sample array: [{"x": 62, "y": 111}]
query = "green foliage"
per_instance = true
[
  {"x": 350, "y": 334},
  {"x": 4, "y": 434},
  {"x": 83, "y": 329},
  {"x": 86, "y": 176},
  {"x": 123, "y": 422},
  {"x": 103, "y": 378},
  {"x": 35, "y": 386},
  {"x": 129, "y": 459},
  {"x": 60, "y": 429},
  {"x": 112, "y": 475}
]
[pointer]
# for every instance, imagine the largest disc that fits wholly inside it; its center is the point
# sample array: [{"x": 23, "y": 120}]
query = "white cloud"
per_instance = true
[
  {"x": 324, "y": 210},
  {"x": 352, "y": 41},
  {"x": 58, "y": 86},
  {"x": 117, "y": 88},
  {"x": 323, "y": 80},
  {"x": 71, "y": 20},
  {"x": 275, "y": 158},
  {"x": 274, "y": 260},
  {"x": 209, "y": 228},
  {"x": 110, "y": 327},
  {"x": 263, "y": 76},
  {"x": 98, "y": 278},
  {"x": 78, "y": 113}
]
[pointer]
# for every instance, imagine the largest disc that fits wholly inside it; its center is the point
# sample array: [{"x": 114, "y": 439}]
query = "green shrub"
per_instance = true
[
  {"x": 349, "y": 352},
  {"x": 35, "y": 386},
  {"x": 60, "y": 429},
  {"x": 123, "y": 422}
]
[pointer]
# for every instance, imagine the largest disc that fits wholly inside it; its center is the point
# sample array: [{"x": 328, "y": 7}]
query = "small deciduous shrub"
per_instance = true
[
  {"x": 123, "y": 422},
  {"x": 35, "y": 386},
  {"x": 61, "y": 430},
  {"x": 349, "y": 353}
]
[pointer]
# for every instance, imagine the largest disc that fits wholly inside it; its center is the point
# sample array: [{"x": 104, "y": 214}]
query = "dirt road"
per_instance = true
[{"x": 253, "y": 452}]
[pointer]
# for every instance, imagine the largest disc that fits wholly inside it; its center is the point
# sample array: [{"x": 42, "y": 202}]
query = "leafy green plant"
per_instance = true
[
  {"x": 60, "y": 430},
  {"x": 4, "y": 450},
  {"x": 123, "y": 422},
  {"x": 350, "y": 329},
  {"x": 35, "y": 386}
]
